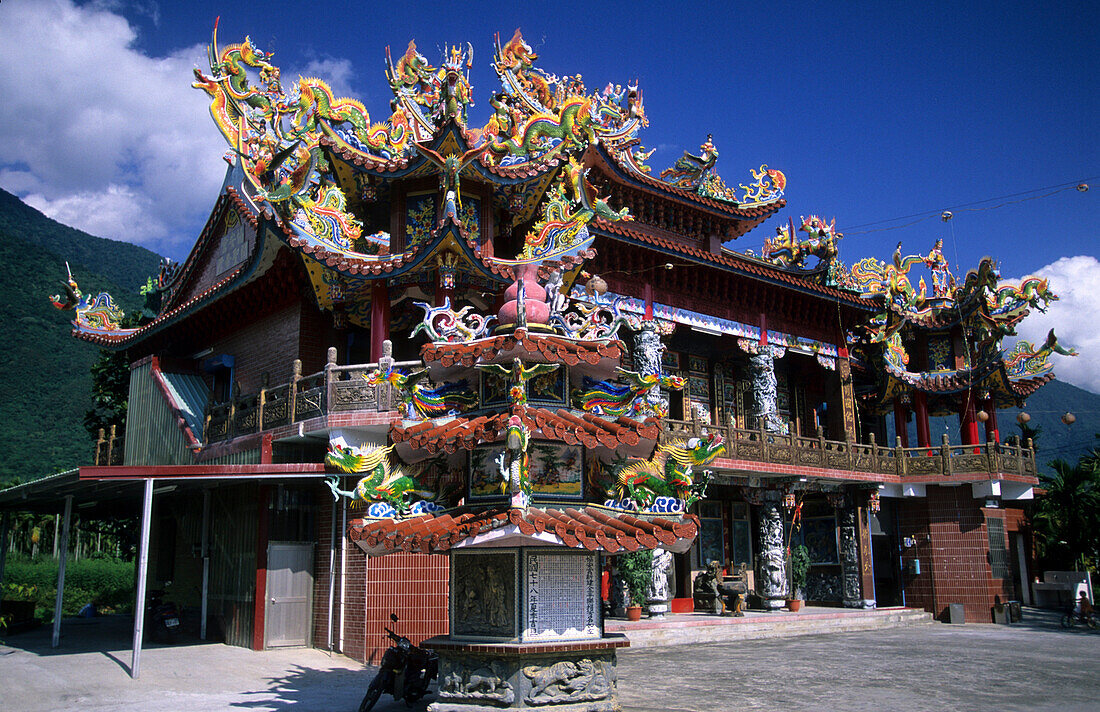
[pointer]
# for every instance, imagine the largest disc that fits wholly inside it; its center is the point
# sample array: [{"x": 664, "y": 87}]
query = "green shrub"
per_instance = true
[
  {"x": 106, "y": 582},
  {"x": 800, "y": 569}
]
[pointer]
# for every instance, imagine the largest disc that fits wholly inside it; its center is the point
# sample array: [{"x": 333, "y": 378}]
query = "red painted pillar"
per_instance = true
[
  {"x": 920, "y": 413},
  {"x": 379, "y": 318},
  {"x": 901, "y": 425},
  {"x": 259, "y": 609},
  {"x": 968, "y": 420},
  {"x": 991, "y": 431}
]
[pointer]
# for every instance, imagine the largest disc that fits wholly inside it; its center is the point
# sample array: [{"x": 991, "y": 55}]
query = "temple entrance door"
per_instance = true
[
  {"x": 289, "y": 594},
  {"x": 884, "y": 553}
]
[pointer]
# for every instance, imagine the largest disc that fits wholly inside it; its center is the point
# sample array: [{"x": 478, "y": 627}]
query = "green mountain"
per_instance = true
[
  {"x": 120, "y": 262},
  {"x": 1058, "y": 441},
  {"x": 46, "y": 387}
]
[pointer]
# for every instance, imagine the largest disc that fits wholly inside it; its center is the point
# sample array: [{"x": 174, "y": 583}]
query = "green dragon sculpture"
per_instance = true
[
  {"x": 669, "y": 472},
  {"x": 383, "y": 483}
]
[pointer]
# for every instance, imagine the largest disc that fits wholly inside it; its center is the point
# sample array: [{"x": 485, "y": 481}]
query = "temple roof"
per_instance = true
[
  {"x": 726, "y": 260},
  {"x": 619, "y": 165},
  {"x": 570, "y": 427},
  {"x": 592, "y": 528}
]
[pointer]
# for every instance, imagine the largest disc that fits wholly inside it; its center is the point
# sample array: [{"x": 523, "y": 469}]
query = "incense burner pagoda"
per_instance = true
[{"x": 554, "y": 469}]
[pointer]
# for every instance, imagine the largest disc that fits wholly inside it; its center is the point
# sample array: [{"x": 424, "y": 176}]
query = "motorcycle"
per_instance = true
[
  {"x": 406, "y": 671},
  {"x": 163, "y": 618}
]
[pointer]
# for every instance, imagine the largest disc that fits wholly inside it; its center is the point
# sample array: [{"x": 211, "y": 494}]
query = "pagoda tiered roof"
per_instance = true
[
  {"x": 544, "y": 346},
  {"x": 570, "y": 427},
  {"x": 584, "y": 527}
]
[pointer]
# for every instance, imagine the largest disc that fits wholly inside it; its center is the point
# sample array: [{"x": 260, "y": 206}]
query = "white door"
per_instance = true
[{"x": 289, "y": 594}]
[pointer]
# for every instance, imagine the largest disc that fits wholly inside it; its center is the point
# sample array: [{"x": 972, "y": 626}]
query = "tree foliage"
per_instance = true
[
  {"x": 1066, "y": 518},
  {"x": 47, "y": 389}
]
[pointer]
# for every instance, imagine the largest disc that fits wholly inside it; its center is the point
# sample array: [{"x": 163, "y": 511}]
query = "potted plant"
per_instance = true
[
  {"x": 800, "y": 568},
  {"x": 635, "y": 569}
]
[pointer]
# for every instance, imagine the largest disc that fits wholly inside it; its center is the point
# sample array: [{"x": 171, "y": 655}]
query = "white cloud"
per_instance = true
[
  {"x": 1076, "y": 281},
  {"x": 337, "y": 73},
  {"x": 100, "y": 136}
]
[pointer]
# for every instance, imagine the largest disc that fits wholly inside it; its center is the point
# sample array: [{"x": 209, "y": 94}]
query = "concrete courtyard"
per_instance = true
[{"x": 1033, "y": 665}]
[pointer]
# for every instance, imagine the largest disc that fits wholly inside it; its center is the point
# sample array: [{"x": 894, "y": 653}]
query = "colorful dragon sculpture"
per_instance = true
[
  {"x": 625, "y": 399},
  {"x": 1027, "y": 361},
  {"x": 99, "y": 314},
  {"x": 669, "y": 472},
  {"x": 689, "y": 170},
  {"x": 786, "y": 250},
  {"x": 571, "y": 203},
  {"x": 444, "y": 324},
  {"x": 420, "y": 402},
  {"x": 514, "y": 463},
  {"x": 383, "y": 481}
]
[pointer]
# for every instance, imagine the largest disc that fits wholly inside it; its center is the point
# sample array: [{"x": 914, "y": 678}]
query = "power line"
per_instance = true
[{"x": 970, "y": 207}]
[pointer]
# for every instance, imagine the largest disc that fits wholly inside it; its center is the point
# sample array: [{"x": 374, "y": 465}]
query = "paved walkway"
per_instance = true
[
  {"x": 1035, "y": 665},
  {"x": 1032, "y": 665}
]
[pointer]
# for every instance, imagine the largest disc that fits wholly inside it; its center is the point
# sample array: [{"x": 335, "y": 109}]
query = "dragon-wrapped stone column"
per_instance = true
[
  {"x": 773, "y": 561},
  {"x": 647, "y": 360},
  {"x": 849, "y": 554},
  {"x": 764, "y": 390}
]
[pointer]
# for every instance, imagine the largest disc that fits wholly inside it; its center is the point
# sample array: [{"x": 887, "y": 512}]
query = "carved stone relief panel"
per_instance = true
[{"x": 483, "y": 594}]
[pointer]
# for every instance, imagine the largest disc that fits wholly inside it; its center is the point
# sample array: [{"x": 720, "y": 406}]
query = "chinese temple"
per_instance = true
[{"x": 454, "y": 368}]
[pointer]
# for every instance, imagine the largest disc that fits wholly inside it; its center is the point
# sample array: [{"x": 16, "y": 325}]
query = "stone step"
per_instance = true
[{"x": 696, "y": 628}]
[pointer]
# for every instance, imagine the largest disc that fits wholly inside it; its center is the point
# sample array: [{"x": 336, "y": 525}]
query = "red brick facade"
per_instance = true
[
  {"x": 414, "y": 586},
  {"x": 947, "y": 530}
]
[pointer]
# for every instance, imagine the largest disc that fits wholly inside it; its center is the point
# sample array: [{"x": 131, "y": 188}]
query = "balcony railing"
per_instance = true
[
  {"x": 109, "y": 447},
  {"x": 796, "y": 450},
  {"x": 337, "y": 389}
]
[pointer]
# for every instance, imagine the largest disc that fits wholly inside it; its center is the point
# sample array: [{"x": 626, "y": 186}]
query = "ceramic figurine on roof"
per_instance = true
[
  {"x": 696, "y": 173},
  {"x": 100, "y": 314},
  {"x": 786, "y": 250}
]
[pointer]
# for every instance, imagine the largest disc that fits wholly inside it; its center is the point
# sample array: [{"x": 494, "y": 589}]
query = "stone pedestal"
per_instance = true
[
  {"x": 526, "y": 632},
  {"x": 570, "y": 677}
]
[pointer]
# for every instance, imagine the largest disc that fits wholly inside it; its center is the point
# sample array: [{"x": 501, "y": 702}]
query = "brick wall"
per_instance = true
[
  {"x": 315, "y": 336},
  {"x": 267, "y": 344},
  {"x": 952, "y": 543},
  {"x": 414, "y": 586}
]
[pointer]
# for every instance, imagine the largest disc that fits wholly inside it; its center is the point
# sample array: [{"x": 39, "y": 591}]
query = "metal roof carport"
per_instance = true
[{"x": 118, "y": 490}]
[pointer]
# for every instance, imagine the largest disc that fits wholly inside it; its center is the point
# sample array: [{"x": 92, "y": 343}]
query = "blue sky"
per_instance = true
[{"x": 874, "y": 111}]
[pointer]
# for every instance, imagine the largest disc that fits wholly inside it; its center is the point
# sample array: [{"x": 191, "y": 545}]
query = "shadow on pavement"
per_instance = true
[
  {"x": 103, "y": 634},
  {"x": 305, "y": 688}
]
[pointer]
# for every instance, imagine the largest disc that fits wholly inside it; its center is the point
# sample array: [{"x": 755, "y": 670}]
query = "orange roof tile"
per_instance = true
[{"x": 591, "y": 528}]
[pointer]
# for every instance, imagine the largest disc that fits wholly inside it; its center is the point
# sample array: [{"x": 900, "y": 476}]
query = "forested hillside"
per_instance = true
[{"x": 46, "y": 386}]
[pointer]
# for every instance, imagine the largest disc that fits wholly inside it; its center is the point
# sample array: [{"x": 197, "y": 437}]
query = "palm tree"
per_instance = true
[{"x": 1067, "y": 517}]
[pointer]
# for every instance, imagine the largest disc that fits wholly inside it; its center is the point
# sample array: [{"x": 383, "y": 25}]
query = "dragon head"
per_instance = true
[{"x": 704, "y": 450}]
